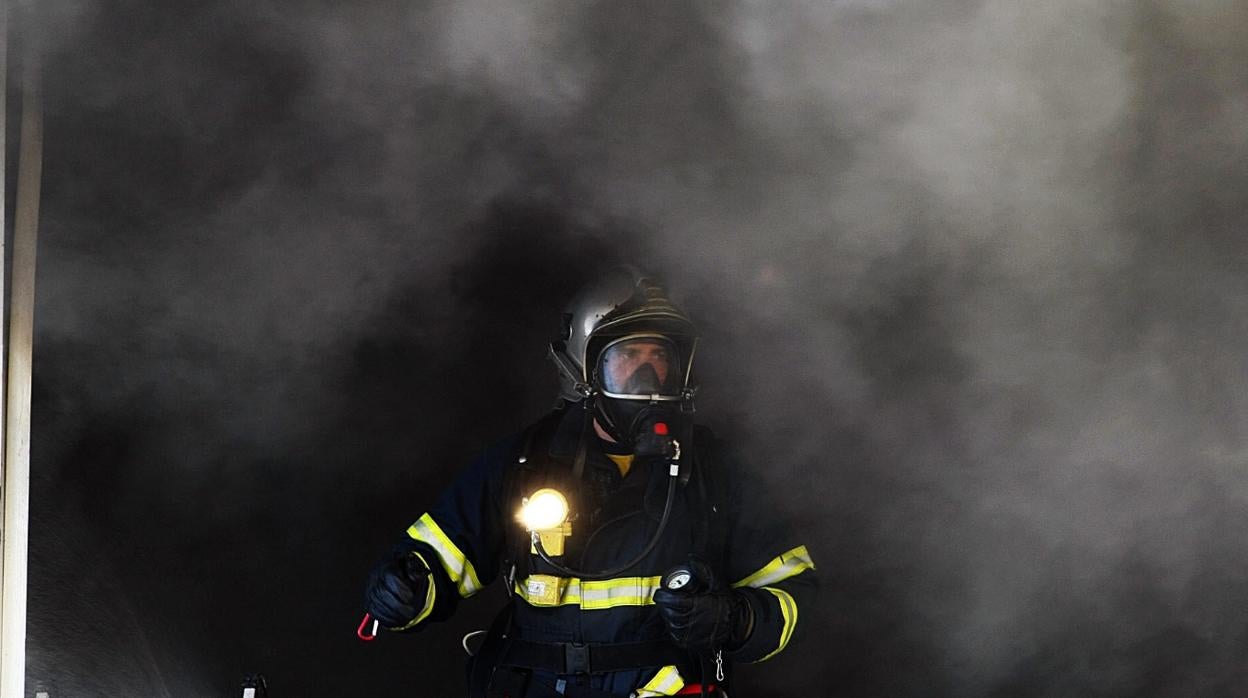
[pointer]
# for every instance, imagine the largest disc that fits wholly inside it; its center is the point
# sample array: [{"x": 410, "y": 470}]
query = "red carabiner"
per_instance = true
[{"x": 360, "y": 631}]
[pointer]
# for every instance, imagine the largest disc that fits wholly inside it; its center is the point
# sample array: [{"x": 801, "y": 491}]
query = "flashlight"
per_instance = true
[
  {"x": 544, "y": 515},
  {"x": 545, "y": 509}
]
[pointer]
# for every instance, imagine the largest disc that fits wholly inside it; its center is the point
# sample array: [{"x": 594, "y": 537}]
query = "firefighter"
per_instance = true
[{"x": 637, "y": 561}]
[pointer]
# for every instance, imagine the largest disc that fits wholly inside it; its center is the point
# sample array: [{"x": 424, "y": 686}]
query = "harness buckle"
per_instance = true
[{"x": 575, "y": 658}]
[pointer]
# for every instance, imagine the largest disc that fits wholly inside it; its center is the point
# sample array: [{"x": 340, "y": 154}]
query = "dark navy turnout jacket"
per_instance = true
[{"x": 471, "y": 537}]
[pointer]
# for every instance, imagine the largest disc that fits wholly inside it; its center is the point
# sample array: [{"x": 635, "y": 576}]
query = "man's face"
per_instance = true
[{"x": 640, "y": 366}]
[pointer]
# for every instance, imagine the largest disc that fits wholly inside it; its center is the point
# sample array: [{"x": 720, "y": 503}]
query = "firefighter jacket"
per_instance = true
[{"x": 471, "y": 537}]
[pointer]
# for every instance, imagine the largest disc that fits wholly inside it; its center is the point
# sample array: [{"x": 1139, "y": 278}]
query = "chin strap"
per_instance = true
[
  {"x": 568, "y": 370},
  {"x": 582, "y": 445}
]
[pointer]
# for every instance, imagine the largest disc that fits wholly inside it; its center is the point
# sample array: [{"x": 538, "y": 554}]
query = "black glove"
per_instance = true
[
  {"x": 706, "y": 621},
  {"x": 396, "y": 588}
]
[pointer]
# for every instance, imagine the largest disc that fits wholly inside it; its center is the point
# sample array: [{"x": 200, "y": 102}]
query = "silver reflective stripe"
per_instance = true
[
  {"x": 665, "y": 683},
  {"x": 627, "y": 591},
  {"x": 780, "y": 568},
  {"x": 456, "y": 564},
  {"x": 590, "y": 595}
]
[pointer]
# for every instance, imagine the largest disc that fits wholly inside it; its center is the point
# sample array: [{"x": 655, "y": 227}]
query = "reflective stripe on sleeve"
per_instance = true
[
  {"x": 430, "y": 592},
  {"x": 539, "y": 590},
  {"x": 780, "y": 568},
  {"x": 456, "y": 564},
  {"x": 665, "y": 683},
  {"x": 788, "y": 610}
]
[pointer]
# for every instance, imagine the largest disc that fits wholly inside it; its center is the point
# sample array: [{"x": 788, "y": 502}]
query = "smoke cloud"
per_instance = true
[{"x": 970, "y": 277}]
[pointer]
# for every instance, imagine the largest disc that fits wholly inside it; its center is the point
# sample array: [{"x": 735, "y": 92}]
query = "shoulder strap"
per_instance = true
[
  {"x": 709, "y": 496},
  {"x": 529, "y": 465}
]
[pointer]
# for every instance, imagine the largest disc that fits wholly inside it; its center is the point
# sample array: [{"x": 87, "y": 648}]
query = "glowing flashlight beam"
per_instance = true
[{"x": 545, "y": 510}]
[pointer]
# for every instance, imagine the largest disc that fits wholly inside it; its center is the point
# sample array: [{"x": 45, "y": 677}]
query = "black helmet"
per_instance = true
[{"x": 623, "y": 310}]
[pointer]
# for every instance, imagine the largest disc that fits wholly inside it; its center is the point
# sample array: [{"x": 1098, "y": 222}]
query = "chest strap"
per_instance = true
[{"x": 568, "y": 658}]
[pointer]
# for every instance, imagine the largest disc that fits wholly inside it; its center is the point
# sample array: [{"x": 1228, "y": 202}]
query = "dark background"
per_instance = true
[{"x": 971, "y": 276}]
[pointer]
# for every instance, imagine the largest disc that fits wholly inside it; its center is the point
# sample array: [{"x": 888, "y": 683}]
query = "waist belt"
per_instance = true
[{"x": 593, "y": 658}]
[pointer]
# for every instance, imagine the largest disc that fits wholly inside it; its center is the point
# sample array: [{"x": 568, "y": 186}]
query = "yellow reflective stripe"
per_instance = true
[
  {"x": 429, "y": 596},
  {"x": 788, "y": 610},
  {"x": 780, "y": 568},
  {"x": 592, "y": 595},
  {"x": 665, "y": 683},
  {"x": 456, "y": 564}
]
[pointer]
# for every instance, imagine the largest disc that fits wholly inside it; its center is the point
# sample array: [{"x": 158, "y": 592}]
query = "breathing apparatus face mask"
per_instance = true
[{"x": 639, "y": 381}]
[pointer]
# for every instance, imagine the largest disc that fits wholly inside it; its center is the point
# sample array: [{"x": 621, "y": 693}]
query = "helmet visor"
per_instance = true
[{"x": 640, "y": 367}]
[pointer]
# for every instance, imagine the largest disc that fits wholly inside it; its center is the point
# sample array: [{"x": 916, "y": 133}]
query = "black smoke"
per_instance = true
[{"x": 970, "y": 273}]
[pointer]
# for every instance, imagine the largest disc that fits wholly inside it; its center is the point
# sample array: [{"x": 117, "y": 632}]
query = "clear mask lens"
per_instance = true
[{"x": 640, "y": 366}]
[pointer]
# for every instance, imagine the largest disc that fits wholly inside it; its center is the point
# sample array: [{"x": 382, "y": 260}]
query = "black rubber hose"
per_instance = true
[{"x": 615, "y": 571}]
